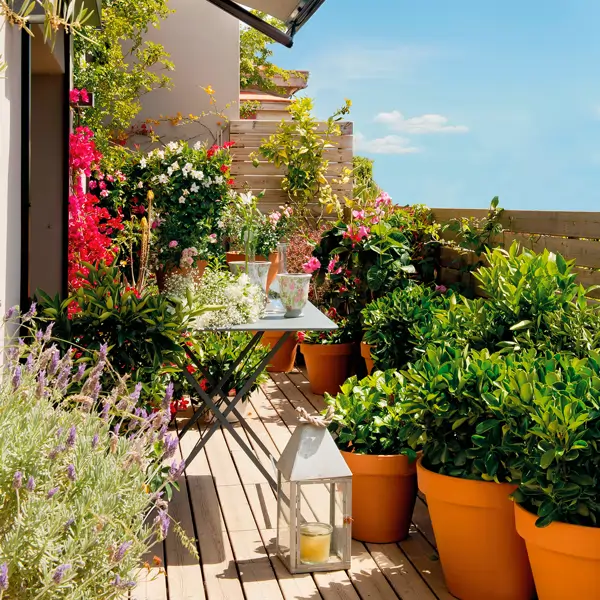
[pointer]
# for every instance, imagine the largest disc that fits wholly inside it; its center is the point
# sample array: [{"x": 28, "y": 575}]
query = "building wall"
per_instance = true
[
  {"x": 204, "y": 45},
  {"x": 10, "y": 171}
]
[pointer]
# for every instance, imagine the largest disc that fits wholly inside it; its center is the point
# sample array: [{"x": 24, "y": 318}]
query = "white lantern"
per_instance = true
[{"x": 314, "y": 502}]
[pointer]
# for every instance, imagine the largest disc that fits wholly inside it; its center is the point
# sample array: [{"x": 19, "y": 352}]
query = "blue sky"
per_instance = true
[{"x": 458, "y": 102}]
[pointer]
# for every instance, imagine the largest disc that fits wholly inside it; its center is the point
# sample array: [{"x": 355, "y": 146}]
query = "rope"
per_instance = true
[{"x": 316, "y": 420}]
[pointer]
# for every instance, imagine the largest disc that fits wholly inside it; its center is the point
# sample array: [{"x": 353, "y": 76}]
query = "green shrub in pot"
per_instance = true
[{"x": 375, "y": 438}]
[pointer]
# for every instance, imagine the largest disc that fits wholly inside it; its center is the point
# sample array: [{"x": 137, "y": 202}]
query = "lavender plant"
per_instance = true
[{"x": 76, "y": 509}]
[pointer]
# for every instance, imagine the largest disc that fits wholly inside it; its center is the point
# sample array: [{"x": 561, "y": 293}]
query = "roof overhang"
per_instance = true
[{"x": 294, "y": 13}]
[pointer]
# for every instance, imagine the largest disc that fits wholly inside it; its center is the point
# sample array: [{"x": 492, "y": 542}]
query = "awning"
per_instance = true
[{"x": 294, "y": 13}]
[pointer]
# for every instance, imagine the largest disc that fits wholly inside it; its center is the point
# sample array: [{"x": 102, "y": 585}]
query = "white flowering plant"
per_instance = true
[
  {"x": 183, "y": 190},
  {"x": 239, "y": 301},
  {"x": 77, "y": 509}
]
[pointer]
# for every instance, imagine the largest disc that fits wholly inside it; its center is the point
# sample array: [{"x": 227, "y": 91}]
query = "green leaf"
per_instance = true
[{"x": 547, "y": 458}]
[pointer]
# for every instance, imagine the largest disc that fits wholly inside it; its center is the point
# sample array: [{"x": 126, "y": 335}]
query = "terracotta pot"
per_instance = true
[
  {"x": 365, "y": 352},
  {"x": 565, "y": 559},
  {"x": 273, "y": 259},
  {"x": 197, "y": 271},
  {"x": 328, "y": 366},
  {"x": 384, "y": 490},
  {"x": 482, "y": 555},
  {"x": 284, "y": 359}
]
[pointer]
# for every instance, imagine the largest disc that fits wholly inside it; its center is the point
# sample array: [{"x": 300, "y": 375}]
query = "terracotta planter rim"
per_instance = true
[
  {"x": 563, "y": 538},
  {"x": 464, "y": 492},
  {"x": 343, "y": 349},
  {"x": 380, "y": 464}
]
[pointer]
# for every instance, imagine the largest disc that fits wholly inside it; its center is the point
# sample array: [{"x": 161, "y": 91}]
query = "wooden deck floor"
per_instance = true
[{"x": 228, "y": 508}]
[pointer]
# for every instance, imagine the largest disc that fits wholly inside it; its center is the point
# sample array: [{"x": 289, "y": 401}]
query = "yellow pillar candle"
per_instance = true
[{"x": 315, "y": 543}]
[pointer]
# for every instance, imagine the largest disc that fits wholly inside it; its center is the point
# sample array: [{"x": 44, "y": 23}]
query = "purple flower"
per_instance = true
[
  {"x": 117, "y": 428},
  {"x": 39, "y": 334},
  {"x": 71, "y": 473},
  {"x": 123, "y": 583},
  {"x": 80, "y": 372},
  {"x": 102, "y": 353},
  {"x": 10, "y": 313},
  {"x": 29, "y": 364},
  {"x": 176, "y": 469},
  {"x": 135, "y": 395},
  {"x": 31, "y": 312},
  {"x": 54, "y": 362},
  {"x": 163, "y": 521},
  {"x": 41, "y": 385},
  {"x": 30, "y": 484},
  {"x": 56, "y": 451},
  {"x": 69, "y": 523},
  {"x": 168, "y": 396},
  {"x": 4, "y": 572},
  {"x": 17, "y": 480},
  {"x": 170, "y": 446},
  {"x": 72, "y": 437},
  {"x": 120, "y": 553},
  {"x": 16, "y": 379},
  {"x": 48, "y": 333},
  {"x": 51, "y": 492},
  {"x": 60, "y": 573},
  {"x": 105, "y": 410},
  {"x": 95, "y": 441}
]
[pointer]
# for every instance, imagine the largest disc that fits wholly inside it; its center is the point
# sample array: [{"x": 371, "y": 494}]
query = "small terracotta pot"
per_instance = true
[
  {"x": 482, "y": 555},
  {"x": 384, "y": 490},
  {"x": 365, "y": 352},
  {"x": 273, "y": 259},
  {"x": 328, "y": 366},
  {"x": 197, "y": 271},
  {"x": 565, "y": 558},
  {"x": 285, "y": 357}
]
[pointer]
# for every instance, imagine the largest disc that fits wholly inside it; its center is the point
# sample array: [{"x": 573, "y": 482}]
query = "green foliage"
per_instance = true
[
  {"x": 142, "y": 331},
  {"x": 369, "y": 419},
  {"x": 365, "y": 187},
  {"x": 256, "y": 67},
  {"x": 389, "y": 323},
  {"x": 249, "y": 108},
  {"x": 559, "y": 396},
  {"x": 76, "y": 505},
  {"x": 119, "y": 64},
  {"x": 299, "y": 146}
]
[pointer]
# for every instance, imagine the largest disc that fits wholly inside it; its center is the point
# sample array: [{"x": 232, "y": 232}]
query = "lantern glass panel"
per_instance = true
[{"x": 283, "y": 517}]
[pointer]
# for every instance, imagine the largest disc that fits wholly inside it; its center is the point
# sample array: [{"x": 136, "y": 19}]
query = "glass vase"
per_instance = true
[{"x": 275, "y": 306}]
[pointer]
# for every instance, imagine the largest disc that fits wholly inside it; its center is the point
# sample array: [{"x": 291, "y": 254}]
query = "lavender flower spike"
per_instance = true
[
  {"x": 170, "y": 446},
  {"x": 16, "y": 379},
  {"x": 163, "y": 521},
  {"x": 10, "y": 313},
  {"x": 29, "y": 364},
  {"x": 30, "y": 313},
  {"x": 3, "y": 576},
  {"x": 48, "y": 333},
  {"x": 122, "y": 550},
  {"x": 135, "y": 395},
  {"x": 60, "y": 573},
  {"x": 176, "y": 469},
  {"x": 80, "y": 372},
  {"x": 71, "y": 473},
  {"x": 95, "y": 441},
  {"x": 168, "y": 396},
  {"x": 30, "y": 484},
  {"x": 17, "y": 480},
  {"x": 72, "y": 436},
  {"x": 51, "y": 492}
]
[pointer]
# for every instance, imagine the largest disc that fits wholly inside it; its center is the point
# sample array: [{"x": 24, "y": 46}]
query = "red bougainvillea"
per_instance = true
[{"x": 90, "y": 226}]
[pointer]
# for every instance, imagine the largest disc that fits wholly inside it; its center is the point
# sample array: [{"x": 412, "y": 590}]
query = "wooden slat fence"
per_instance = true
[
  {"x": 248, "y": 135},
  {"x": 575, "y": 235}
]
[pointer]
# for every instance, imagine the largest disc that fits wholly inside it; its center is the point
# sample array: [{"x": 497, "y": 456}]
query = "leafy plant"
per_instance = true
[
  {"x": 249, "y": 108},
  {"x": 299, "y": 145},
  {"x": 389, "y": 323},
  {"x": 368, "y": 416},
  {"x": 77, "y": 512},
  {"x": 347, "y": 331},
  {"x": 365, "y": 186}
]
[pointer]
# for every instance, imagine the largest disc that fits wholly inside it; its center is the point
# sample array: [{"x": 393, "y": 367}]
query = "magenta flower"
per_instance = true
[
  {"x": 358, "y": 214},
  {"x": 312, "y": 265},
  {"x": 332, "y": 264},
  {"x": 74, "y": 96},
  {"x": 83, "y": 93},
  {"x": 173, "y": 244}
]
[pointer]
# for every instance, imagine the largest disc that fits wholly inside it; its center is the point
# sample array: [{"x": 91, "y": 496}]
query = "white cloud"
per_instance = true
[
  {"x": 396, "y": 121},
  {"x": 390, "y": 144}
]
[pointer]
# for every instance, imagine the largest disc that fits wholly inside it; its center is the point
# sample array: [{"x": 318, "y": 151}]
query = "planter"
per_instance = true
[
  {"x": 284, "y": 359},
  {"x": 565, "y": 558},
  {"x": 273, "y": 259},
  {"x": 328, "y": 366},
  {"x": 384, "y": 490},
  {"x": 482, "y": 555},
  {"x": 197, "y": 272},
  {"x": 365, "y": 352}
]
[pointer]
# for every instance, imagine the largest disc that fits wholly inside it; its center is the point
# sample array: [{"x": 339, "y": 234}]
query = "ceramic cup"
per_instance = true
[{"x": 293, "y": 291}]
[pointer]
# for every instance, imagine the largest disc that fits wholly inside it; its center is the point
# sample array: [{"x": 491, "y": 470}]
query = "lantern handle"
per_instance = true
[{"x": 316, "y": 420}]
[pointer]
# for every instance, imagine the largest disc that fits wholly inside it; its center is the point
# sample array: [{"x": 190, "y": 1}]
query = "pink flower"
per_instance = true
[
  {"x": 288, "y": 212},
  {"x": 74, "y": 96},
  {"x": 374, "y": 220},
  {"x": 83, "y": 93},
  {"x": 363, "y": 232},
  {"x": 442, "y": 289},
  {"x": 331, "y": 266},
  {"x": 312, "y": 265},
  {"x": 274, "y": 217},
  {"x": 103, "y": 185},
  {"x": 93, "y": 185},
  {"x": 110, "y": 178},
  {"x": 104, "y": 193},
  {"x": 212, "y": 238},
  {"x": 173, "y": 244},
  {"x": 384, "y": 199},
  {"x": 358, "y": 214},
  {"x": 301, "y": 336}
]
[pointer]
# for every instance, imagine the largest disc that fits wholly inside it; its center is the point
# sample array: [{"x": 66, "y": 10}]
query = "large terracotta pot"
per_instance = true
[
  {"x": 328, "y": 366},
  {"x": 273, "y": 259},
  {"x": 285, "y": 357},
  {"x": 365, "y": 352},
  {"x": 384, "y": 490},
  {"x": 565, "y": 559},
  {"x": 482, "y": 555},
  {"x": 197, "y": 271}
]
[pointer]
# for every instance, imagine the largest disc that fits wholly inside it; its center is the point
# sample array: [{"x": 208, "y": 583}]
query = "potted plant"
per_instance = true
[
  {"x": 375, "y": 438},
  {"x": 467, "y": 471},
  {"x": 328, "y": 355},
  {"x": 558, "y": 500},
  {"x": 184, "y": 189}
]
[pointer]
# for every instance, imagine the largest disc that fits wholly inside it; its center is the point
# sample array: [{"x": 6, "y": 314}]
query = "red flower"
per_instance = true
[
  {"x": 204, "y": 385},
  {"x": 230, "y": 181},
  {"x": 224, "y": 168},
  {"x": 228, "y": 144},
  {"x": 191, "y": 369},
  {"x": 301, "y": 336}
]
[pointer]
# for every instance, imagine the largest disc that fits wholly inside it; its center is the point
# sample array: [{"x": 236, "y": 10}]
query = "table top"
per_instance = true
[{"x": 312, "y": 320}]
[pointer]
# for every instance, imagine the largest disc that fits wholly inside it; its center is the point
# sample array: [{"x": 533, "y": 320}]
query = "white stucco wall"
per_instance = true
[
  {"x": 204, "y": 45},
  {"x": 10, "y": 171}
]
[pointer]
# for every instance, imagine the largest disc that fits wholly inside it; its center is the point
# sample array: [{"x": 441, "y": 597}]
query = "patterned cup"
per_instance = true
[{"x": 293, "y": 291}]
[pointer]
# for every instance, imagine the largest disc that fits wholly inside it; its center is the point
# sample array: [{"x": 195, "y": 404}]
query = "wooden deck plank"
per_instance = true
[
  {"x": 422, "y": 521},
  {"x": 220, "y": 571},
  {"x": 367, "y": 577},
  {"x": 300, "y": 379}
]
